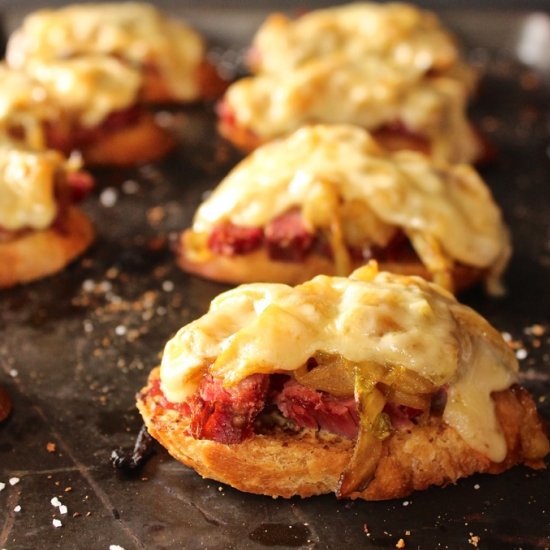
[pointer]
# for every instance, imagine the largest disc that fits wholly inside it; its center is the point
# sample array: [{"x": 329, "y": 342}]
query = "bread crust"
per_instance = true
[
  {"x": 37, "y": 254},
  {"x": 257, "y": 266},
  {"x": 310, "y": 463},
  {"x": 139, "y": 143}
]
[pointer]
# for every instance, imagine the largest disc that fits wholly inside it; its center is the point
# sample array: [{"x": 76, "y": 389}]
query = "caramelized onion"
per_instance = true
[
  {"x": 334, "y": 375},
  {"x": 414, "y": 401},
  {"x": 372, "y": 385},
  {"x": 374, "y": 426}
]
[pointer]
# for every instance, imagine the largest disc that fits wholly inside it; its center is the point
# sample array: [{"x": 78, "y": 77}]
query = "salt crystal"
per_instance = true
[
  {"x": 55, "y": 502},
  {"x": 56, "y": 523},
  {"x": 130, "y": 187},
  {"x": 120, "y": 330},
  {"x": 13, "y": 480},
  {"x": 167, "y": 286},
  {"x": 521, "y": 353},
  {"x": 108, "y": 197},
  {"x": 88, "y": 285},
  {"x": 2, "y": 486},
  {"x": 63, "y": 509}
]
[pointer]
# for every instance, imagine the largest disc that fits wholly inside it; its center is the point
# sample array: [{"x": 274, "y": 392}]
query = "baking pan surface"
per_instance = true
[{"x": 75, "y": 348}]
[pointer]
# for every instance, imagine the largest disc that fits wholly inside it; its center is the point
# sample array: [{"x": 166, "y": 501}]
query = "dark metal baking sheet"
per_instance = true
[{"x": 76, "y": 347}]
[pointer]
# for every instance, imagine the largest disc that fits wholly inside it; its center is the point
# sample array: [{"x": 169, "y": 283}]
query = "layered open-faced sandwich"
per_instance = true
[
  {"x": 328, "y": 198},
  {"x": 370, "y": 386},
  {"x": 88, "y": 104},
  {"x": 168, "y": 54},
  {"x": 41, "y": 229},
  {"x": 391, "y": 68}
]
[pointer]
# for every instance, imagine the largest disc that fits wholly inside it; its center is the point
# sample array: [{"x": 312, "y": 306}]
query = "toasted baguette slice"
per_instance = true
[
  {"x": 139, "y": 143},
  {"x": 257, "y": 266},
  {"x": 37, "y": 254},
  {"x": 309, "y": 463}
]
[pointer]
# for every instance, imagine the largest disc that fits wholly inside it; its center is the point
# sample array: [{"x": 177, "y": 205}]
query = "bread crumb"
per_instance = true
[
  {"x": 473, "y": 540},
  {"x": 51, "y": 447},
  {"x": 400, "y": 544}
]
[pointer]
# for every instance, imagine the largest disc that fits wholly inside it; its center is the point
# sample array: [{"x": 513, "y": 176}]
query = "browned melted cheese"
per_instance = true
[
  {"x": 339, "y": 171},
  {"x": 135, "y": 32},
  {"x": 364, "y": 64},
  {"x": 381, "y": 318},
  {"x": 27, "y": 186},
  {"x": 83, "y": 91}
]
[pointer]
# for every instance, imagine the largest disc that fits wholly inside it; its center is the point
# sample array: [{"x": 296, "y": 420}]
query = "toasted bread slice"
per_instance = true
[
  {"x": 37, "y": 254},
  {"x": 282, "y": 464}
]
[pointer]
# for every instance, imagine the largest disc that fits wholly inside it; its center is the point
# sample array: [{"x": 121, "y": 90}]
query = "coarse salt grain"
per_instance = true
[
  {"x": 167, "y": 286},
  {"x": 17, "y": 508},
  {"x": 2, "y": 486},
  {"x": 115, "y": 547},
  {"x": 130, "y": 187},
  {"x": 406, "y": 503},
  {"x": 55, "y": 502},
  {"x": 108, "y": 197},
  {"x": 88, "y": 285},
  {"x": 14, "y": 373},
  {"x": 13, "y": 480},
  {"x": 476, "y": 486},
  {"x": 521, "y": 353},
  {"x": 120, "y": 330},
  {"x": 63, "y": 510},
  {"x": 56, "y": 523}
]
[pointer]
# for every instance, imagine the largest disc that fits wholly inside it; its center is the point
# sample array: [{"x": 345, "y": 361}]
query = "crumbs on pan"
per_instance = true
[
  {"x": 525, "y": 348},
  {"x": 474, "y": 540}
]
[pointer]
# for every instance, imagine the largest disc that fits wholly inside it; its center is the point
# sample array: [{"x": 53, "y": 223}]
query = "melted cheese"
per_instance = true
[
  {"x": 27, "y": 187},
  {"x": 24, "y": 106},
  {"x": 321, "y": 165},
  {"x": 135, "y": 32},
  {"x": 402, "y": 34},
  {"x": 366, "y": 64},
  {"x": 83, "y": 90},
  {"x": 381, "y": 318},
  {"x": 368, "y": 92},
  {"x": 90, "y": 87}
]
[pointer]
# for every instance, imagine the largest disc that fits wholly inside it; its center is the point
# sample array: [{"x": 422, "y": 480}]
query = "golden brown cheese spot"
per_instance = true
[
  {"x": 24, "y": 105},
  {"x": 369, "y": 318},
  {"x": 367, "y": 64},
  {"x": 447, "y": 211},
  {"x": 135, "y": 32},
  {"x": 89, "y": 87},
  {"x": 367, "y": 92},
  {"x": 401, "y": 33},
  {"x": 27, "y": 187}
]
